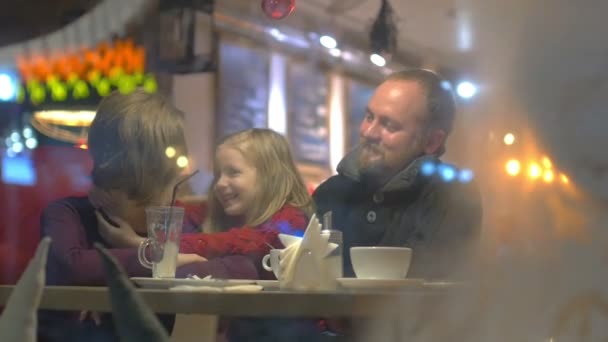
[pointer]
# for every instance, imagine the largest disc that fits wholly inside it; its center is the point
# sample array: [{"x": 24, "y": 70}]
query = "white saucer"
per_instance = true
[
  {"x": 268, "y": 284},
  {"x": 356, "y": 283},
  {"x": 166, "y": 283}
]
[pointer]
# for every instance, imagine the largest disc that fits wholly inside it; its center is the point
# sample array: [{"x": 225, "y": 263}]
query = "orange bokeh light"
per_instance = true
[
  {"x": 534, "y": 171},
  {"x": 513, "y": 167}
]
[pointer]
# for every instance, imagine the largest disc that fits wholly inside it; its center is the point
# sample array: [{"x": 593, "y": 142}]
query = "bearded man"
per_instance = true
[{"x": 393, "y": 190}]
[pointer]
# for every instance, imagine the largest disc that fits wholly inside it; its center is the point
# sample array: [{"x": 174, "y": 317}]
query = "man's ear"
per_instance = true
[{"x": 434, "y": 140}]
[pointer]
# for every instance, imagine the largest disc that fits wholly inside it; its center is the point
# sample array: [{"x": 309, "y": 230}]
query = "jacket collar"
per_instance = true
[{"x": 403, "y": 180}]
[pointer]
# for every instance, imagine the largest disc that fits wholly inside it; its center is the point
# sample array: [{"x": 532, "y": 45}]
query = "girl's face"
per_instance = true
[{"x": 236, "y": 183}]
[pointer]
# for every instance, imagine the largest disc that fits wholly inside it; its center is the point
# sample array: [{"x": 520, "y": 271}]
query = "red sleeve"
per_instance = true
[
  {"x": 194, "y": 215},
  {"x": 246, "y": 240}
]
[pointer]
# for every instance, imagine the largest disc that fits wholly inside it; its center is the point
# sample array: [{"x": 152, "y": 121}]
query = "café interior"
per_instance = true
[{"x": 526, "y": 79}]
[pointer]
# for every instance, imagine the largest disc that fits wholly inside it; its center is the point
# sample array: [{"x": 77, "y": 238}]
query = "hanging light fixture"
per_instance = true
[
  {"x": 383, "y": 35},
  {"x": 181, "y": 23}
]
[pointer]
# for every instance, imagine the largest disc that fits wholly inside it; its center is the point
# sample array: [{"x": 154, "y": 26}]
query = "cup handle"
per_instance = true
[
  {"x": 141, "y": 253},
  {"x": 265, "y": 260}
]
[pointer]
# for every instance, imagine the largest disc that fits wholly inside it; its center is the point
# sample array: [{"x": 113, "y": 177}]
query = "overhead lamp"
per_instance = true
[
  {"x": 466, "y": 90},
  {"x": 328, "y": 42},
  {"x": 377, "y": 60}
]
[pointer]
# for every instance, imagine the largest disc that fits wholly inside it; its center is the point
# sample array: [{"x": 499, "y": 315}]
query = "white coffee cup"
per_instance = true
[
  {"x": 380, "y": 262},
  {"x": 271, "y": 262}
]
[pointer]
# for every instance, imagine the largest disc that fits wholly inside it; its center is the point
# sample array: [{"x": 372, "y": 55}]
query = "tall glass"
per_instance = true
[{"x": 159, "y": 251}]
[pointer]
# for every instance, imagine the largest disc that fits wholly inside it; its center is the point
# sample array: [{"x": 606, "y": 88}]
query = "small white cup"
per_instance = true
[
  {"x": 381, "y": 262},
  {"x": 271, "y": 262}
]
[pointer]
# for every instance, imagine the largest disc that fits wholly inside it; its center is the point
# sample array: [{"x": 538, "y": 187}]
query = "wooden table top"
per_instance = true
[{"x": 258, "y": 304}]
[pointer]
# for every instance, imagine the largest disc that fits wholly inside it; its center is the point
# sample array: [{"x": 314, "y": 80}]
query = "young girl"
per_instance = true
[{"x": 256, "y": 194}]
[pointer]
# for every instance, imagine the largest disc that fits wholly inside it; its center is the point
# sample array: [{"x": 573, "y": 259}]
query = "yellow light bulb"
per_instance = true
[
  {"x": 182, "y": 161},
  {"x": 534, "y": 171},
  {"x": 548, "y": 176},
  {"x": 513, "y": 167},
  {"x": 509, "y": 139},
  {"x": 170, "y": 152}
]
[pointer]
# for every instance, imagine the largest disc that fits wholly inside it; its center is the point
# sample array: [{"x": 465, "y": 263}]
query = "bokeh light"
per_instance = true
[
  {"x": 534, "y": 170},
  {"x": 509, "y": 139},
  {"x": 513, "y": 167}
]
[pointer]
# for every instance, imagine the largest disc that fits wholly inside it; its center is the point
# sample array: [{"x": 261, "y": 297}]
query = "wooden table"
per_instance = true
[{"x": 198, "y": 311}]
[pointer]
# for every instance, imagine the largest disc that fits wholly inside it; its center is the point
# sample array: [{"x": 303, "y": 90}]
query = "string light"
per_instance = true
[
  {"x": 537, "y": 170},
  {"x": 182, "y": 161},
  {"x": 513, "y": 167},
  {"x": 534, "y": 171},
  {"x": 509, "y": 139},
  {"x": 170, "y": 152},
  {"x": 548, "y": 176}
]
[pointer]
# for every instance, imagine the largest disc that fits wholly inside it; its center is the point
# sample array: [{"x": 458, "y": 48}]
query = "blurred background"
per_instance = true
[{"x": 530, "y": 78}]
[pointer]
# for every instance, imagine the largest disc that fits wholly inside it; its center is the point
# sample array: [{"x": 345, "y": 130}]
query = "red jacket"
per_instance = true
[{"x": 247, "y": 240}]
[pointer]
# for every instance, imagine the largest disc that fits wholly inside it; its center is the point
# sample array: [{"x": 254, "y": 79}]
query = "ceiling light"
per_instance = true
[
  {"x": 509, "y": 139},
  {"x": 466, "y": 90},
  {"x": 335, "y": 52},
  {"x": 328, "y": 42},
  {"x": 377, "y": 60}
]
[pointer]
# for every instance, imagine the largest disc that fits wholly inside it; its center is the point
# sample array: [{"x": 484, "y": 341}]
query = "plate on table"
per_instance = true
[
  {"x": 269, "y": 284},
  {"x": 166, "y": 283},
  {"x": 379, "y": 284}
]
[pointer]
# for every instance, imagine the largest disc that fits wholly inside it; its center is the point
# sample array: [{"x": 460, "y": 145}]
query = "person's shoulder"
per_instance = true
[
  {"x": 68, "y": 205},
  {"x": 334, "y": 185},
  {"x": 290, "y": 213},
  {"x": 287, "y": 220}
]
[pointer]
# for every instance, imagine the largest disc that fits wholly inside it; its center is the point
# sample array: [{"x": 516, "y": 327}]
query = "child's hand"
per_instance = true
[
  {"x": 121, "y": 236},
  {"x": 185, "y": 259}
]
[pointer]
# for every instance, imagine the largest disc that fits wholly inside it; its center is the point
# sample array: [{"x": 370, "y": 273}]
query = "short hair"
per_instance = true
[
  {"x": 127, "y": 142},
  {"x": 441, "y": 105},
  {"x": 278, "y": 180}
]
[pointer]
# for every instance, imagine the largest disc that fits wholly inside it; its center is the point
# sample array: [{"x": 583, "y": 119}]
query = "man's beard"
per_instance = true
[
  {"x": 377, "y": 170},
  {"x": 371, "y": 168}
]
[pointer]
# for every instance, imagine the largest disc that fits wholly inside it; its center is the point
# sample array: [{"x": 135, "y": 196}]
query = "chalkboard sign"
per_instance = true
[
  {"x": 308, "y": 113},
  {"x": 359, "y": 94},
  {"x": 243, "y": 87}
]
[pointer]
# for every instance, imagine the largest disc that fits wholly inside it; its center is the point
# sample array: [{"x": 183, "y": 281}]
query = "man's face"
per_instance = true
[{"x": 392, "y": 132}]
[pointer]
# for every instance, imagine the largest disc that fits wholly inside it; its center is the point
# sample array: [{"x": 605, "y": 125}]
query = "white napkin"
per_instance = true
[{"x": 302, "y": 259}]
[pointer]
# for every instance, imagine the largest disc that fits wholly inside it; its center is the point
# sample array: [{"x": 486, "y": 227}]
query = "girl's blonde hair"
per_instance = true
[{"x": 279, "y": 182}]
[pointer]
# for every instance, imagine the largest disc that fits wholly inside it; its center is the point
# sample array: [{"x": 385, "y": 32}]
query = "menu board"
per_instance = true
[
  {"x": 359, "y": 94},
  {"x": 243, "y": 87},
  {"x": 308, "y": 112}
]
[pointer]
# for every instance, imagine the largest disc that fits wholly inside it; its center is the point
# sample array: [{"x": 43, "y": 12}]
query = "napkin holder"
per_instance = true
[{"x": 303, "y": 261}]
